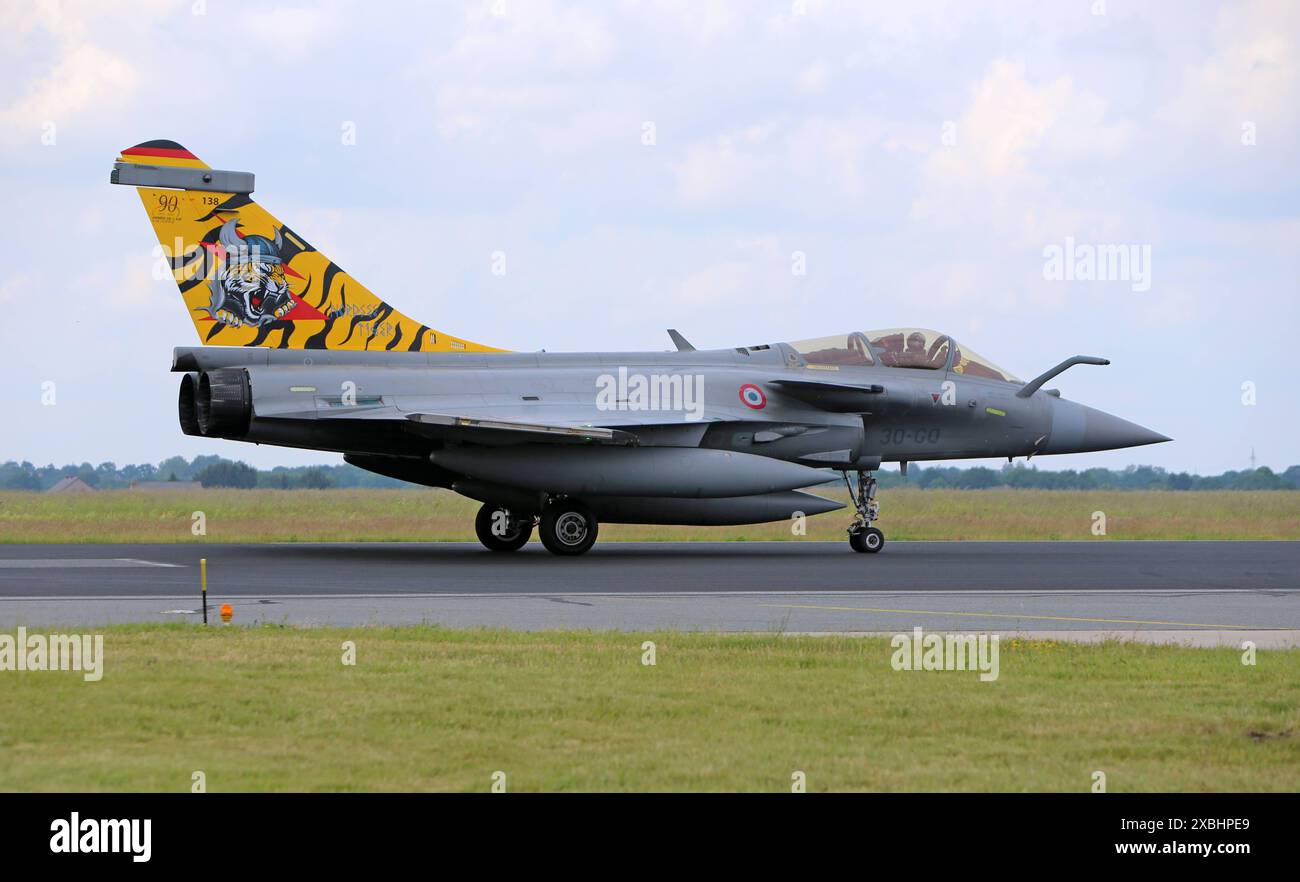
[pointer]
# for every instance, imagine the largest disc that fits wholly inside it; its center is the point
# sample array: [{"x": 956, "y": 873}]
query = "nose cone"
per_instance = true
[{"x": 1077, "y": 428}]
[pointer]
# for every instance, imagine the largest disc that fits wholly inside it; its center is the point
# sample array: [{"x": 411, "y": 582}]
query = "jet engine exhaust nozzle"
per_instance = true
[
  {"x": 223, "y": 406},
  {"x": 187, "y": 404}
]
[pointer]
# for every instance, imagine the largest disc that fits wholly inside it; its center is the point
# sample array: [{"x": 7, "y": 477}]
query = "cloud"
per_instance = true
[
  {"x": 815, "y": 77},
  {"x": 478, "y": 110},
  {"x": 1010, "y": 123},
  {"x": 814, "y": 128},
  {"x": 525, "y": 74},
  {"x": 134, "y": 283},
  {"x": 818, "y": 164},
  {"x": 715, "y": 285},
  {"x": 16, "y": 289},
  {"x": 288, "y": 33},
  {"x": 84, "y": 81},
  {"x": 724, "y": 166},
  {"x": 702, "y": 21},
  {"x": 1008, "y": 148},
  {"x": 1253, "y": 75},
  {"x": 538, "y": 36}
]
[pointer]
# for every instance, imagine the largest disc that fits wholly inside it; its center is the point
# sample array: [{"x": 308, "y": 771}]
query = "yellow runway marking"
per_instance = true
[{"x": 930, "y": 612}]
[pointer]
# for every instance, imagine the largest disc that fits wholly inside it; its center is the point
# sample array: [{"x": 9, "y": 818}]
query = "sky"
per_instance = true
[{"x": 746, "y": 172}]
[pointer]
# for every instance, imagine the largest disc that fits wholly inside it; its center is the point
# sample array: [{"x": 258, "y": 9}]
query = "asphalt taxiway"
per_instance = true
[{"x": 1204, "y": 592}]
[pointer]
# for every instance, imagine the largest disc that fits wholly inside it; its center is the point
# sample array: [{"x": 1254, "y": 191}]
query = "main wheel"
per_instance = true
[
  {"x": 869, "y": 540},
  {"x": 568, "y": 528},
  {"x": 499, "y": 530}
]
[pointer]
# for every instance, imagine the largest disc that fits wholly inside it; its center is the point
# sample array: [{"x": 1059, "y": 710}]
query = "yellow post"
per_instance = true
[{"x": 203, "y": 581}]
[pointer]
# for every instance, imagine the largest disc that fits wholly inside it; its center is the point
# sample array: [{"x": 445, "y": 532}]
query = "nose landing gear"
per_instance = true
[{"x": 863, "y": 536}]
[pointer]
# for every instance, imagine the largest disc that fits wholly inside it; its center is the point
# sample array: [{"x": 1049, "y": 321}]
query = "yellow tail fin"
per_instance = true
[{"x": 247, "y": 279}]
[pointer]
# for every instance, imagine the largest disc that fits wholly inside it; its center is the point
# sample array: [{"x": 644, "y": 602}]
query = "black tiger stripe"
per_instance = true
[
  {"x": 376, "y": 319},
  {"x": 317, "y": 340},
  {"x": 358, "y": 319},
  {"x": 265, "y": 330},
  {"x": 239, "y": 200},
  {"x": 331, "y": 271},
  {"x": 291, "y": 236},
  {"x": 185, "y": 260}
]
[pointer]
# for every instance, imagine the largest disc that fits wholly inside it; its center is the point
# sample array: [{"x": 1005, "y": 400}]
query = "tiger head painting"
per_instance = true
[{"x": 250, "y": 288}]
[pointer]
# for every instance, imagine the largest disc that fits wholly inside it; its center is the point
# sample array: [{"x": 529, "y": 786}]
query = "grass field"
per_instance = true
[
  {"x": 273, "y": 708},
  {"x": 439, "y": 515}
]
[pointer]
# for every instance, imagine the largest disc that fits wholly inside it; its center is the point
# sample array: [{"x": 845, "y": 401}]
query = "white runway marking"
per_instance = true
[{"x": 59, "y": 563}]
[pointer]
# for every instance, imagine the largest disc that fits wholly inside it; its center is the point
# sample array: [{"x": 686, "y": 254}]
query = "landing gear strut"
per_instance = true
[
  {"x": 499, "y": 530},
  {"x": 863, "y": 536}
]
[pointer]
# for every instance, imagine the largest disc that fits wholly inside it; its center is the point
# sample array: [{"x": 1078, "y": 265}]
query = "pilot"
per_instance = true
[{"x": 915, "y": 354}]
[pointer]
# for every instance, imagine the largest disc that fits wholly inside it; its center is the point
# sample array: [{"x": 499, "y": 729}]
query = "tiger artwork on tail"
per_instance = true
[
  {"x": 250, "y": 287},
  {"x": 248, "y": 279}
]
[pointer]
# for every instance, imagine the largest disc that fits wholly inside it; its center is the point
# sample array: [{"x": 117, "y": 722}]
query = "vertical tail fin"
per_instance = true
[{"x": 249, "y": 280}]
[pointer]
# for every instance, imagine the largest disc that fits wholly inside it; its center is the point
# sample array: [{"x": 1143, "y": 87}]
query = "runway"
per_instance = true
[{"x": 1168, "y": 589}]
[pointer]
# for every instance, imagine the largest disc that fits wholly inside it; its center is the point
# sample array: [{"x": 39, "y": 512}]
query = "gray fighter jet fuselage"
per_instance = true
[
  {"x": 299, "y": 353},
  {"x": 707, "y": 437}
]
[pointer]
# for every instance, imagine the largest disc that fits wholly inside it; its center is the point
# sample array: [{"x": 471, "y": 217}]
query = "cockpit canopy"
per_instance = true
[{"x": 901, "y": 348}]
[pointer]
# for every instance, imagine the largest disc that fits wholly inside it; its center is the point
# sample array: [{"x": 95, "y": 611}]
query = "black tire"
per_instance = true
[
  {"x": 568, "y": 528},
  {"x": 868, "y": 541},
  {"x": 518, "y": 532}
]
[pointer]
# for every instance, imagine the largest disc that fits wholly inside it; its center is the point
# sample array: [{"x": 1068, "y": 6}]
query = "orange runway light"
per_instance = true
[{"x": 226, "y": 613}]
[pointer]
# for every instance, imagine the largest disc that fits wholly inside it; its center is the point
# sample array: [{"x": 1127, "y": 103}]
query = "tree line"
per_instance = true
[
  {"x": 210, "y": 471},
  {"x": 1021, "y": 475},
  {"x": 216, "y": 471}
]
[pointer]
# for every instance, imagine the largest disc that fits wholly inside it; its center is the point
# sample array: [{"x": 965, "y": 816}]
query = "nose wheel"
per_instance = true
[
  {"x": 869, "y": 540},
  {"x": 863, "y": 536}
]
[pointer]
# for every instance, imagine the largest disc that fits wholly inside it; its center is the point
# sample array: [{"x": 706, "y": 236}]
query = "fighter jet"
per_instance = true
[{"x": 297, "y": 353}]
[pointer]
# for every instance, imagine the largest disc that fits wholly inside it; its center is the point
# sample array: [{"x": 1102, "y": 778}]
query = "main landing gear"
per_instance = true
[
  {"x": 499, "y": 530},
  {"x": 566, "y": 527},
  {"x": 863, "y": 536}
]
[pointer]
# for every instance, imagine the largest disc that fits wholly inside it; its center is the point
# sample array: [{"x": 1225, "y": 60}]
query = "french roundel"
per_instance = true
[{"x": 752, "y": 397}]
